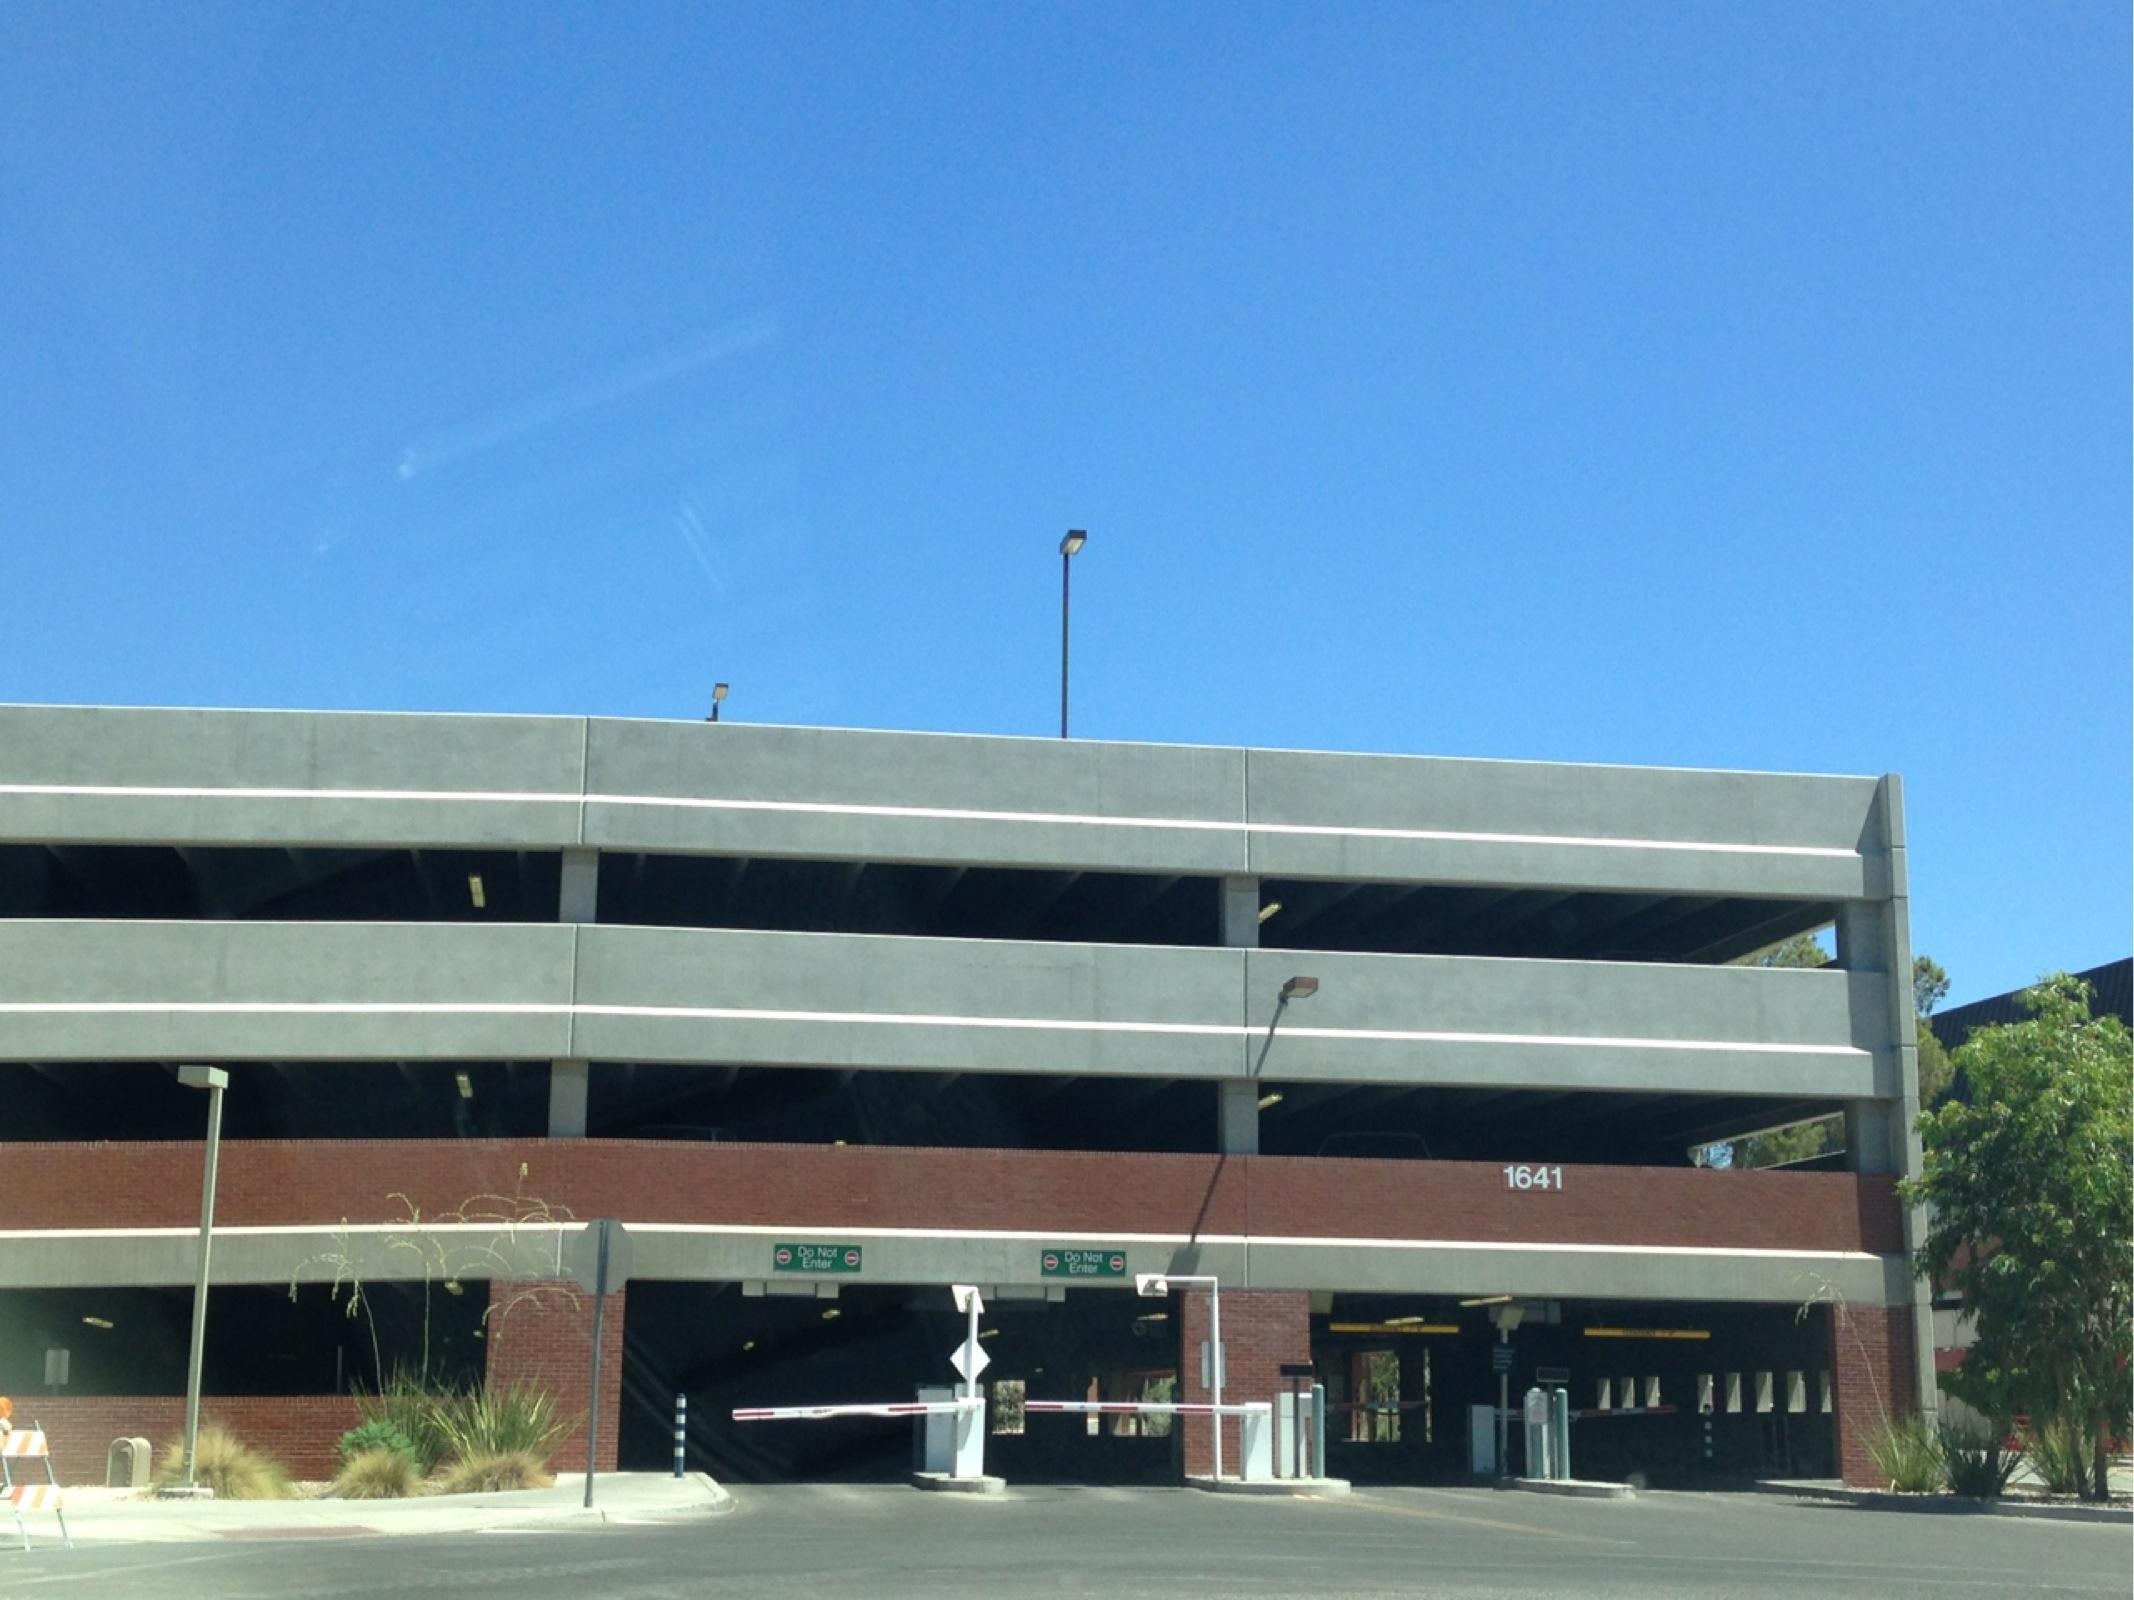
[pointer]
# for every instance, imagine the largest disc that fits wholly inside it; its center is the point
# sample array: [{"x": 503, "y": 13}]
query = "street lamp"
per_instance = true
[
  {"x": 214, "y": 1080},
  {"x": 1069, "y": 548},
  {"x": 718, "y": 696},
  {"x": 1155, "y": 1286},
  {"x": 1298, "y": 988}
]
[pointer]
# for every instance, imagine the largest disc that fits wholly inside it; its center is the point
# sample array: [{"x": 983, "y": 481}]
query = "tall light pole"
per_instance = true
[
  {"x": 1298, "y": 988},
  {"x": 1155, "y": 1286},
  {"x": 214, "y": 1080},
  {"x": 718, "y": 698},
  {"x": 1069, "y": 548}
]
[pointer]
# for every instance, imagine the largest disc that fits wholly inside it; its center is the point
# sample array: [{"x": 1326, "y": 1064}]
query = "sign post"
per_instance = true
[{"x": 600, "y": 1263}]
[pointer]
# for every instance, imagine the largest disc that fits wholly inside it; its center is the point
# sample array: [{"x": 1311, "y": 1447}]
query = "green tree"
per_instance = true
[
  {"x": 1805, "y": 1141},
  {"x": 1930, "y": 985},
  {"x": 2031, "y": 1186}
]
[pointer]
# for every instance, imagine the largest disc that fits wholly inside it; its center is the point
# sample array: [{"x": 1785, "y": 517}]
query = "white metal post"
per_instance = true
[
  {"x": 214, "y": 1080},
  {"x": 1215, "y": 1330}
]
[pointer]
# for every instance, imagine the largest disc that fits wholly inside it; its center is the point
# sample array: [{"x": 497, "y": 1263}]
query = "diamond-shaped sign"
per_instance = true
[{"x": 969, "y": 1360}]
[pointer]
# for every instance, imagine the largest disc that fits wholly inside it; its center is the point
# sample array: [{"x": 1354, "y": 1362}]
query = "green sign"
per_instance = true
[
  {"x": 815, "y": 1258},
  {"x": 1058, "y": 1263}
]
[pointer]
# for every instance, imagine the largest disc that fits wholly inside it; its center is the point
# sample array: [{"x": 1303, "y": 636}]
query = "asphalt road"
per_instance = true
[{"x": 898, "y": 1544}]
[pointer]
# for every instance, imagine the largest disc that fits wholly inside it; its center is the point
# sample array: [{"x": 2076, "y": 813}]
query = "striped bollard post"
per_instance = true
[{"x": 681, "y": 1433}]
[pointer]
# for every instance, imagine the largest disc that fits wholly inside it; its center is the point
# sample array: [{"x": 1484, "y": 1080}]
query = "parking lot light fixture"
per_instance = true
[
  {"x": 214, "y": 1080},
  {"x": 1154, "y": 1285}
]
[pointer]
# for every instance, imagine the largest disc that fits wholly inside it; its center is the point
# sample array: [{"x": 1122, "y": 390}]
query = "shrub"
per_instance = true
[
  {"x": 409, "y": 1405},
  {"x": 380, "y": 1433},
  {"x": 2060, "y": 1455},
  {"x": 490, "y": 1472},
  {"x": 227, "y": 1465},
  {"x": 1906, "y": 1452},
  {"x": 1977, "y": 1460},
  {"x": 499, "y": 1422},
  {"x": 377, "y": 1474}
]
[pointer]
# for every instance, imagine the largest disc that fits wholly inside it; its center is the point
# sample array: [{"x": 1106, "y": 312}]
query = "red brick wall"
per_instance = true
[
  {"x": 299, "y": 1431},
  {"x": 545, "y": 1334},
  {"x": 1872, "y": 1378},
  {"x": 1262, "y": 1328},
  {"x": 277, "y": 1181}
]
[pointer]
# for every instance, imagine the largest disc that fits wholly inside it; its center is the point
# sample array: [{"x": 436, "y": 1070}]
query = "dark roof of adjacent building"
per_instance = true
[{"x": 2111, "y": 994}]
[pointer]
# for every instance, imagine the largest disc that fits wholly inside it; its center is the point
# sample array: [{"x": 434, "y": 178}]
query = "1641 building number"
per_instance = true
[{"x": 1523, "y": 1177}]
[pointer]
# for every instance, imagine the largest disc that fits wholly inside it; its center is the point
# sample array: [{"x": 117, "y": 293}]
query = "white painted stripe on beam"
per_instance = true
[
  {"x": 926, "y": 814},
  {"x": 976, "y": 1236},
  {"x": 1219, "y": 1030}
]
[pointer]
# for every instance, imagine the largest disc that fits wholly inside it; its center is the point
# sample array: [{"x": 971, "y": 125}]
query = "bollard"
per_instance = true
[{"x": 681, "y": 1434}]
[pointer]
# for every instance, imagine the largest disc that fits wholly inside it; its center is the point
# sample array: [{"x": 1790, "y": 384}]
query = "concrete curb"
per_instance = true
[
  {"x": 624, "y": 1499},
  {"x": 1946, "y": 1505},
  {"x": 944, "y": 1483},
  {"x": 1270, "y": 1486},
  {"x": 1576, "y": 1488}
]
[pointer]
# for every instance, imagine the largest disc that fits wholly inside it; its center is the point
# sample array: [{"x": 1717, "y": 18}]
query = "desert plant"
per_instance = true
[
  {"x": 226, "y": 1464},
  {"x": 494, "y": 1421},
  {"x": 409, "y": 1407},
  {"x": 490, "y": 1472},
  {"x": 377, "y": 1433},
  {"x": 1977, "y": 1460},
  {"x": 1906, "y": 1451},
  {"x": 376, "y": 1474},
  {"x": 2059, "y": 1454}
]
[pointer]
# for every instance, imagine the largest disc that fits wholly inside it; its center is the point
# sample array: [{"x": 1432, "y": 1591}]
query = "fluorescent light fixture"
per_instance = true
[
  {"x": 748, "y": 1344},
  {"x": 97, "y": 1322},
  {"x": 1154, "y": 1316},
  {"x": 1648, "y": 1333},
  {"x": 475, "y": 891},
  {"x": 1269, "y": 909},
  {"x": 989, "y": 1333},
  {"x": 832, "y": 1314},
  {"x": 1488, "y": 1300},
  {"x": 466, "y": 1085},
  {"x": 1072, "y": 544},
  {"x": 1273, "y": 1099},
  {"x": 1300, "y": 988}
]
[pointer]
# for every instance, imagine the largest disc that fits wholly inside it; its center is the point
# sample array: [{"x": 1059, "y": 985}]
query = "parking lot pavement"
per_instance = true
[{"x": 897, "y": 1544}]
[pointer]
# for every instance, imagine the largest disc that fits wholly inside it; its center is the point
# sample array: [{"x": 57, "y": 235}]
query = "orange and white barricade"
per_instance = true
[{"x": 17, "y": 1450}]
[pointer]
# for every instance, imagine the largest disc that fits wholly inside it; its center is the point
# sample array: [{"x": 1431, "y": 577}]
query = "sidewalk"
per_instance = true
[
  {"x": 1836, "y": 1493},
  {"x": 125, "y": 1515}
]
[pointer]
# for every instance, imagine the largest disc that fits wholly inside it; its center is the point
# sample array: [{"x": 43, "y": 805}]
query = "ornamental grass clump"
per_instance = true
[
  {"x": 227, "y": 1465},
  {"x": 406, "y": 1406},
  {"x": 492, "y": 1472},
  {"x": 494, "y": 1422},
  {"x": 2060, "y": 1456},
  {"x": 1908, "y": 1453},
  {"x": 1977, "y": 1460},
  {"x": 376, "y": 1474}
]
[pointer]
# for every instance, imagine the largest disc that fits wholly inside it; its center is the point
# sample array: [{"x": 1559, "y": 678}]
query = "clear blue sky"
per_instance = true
[{"x": 1692, "y": 385}]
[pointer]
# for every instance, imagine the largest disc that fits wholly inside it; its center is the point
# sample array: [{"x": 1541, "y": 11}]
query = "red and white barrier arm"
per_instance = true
[
  {"x": 894, "y": 1408},
  {"x": 1147, "y": 1408}
]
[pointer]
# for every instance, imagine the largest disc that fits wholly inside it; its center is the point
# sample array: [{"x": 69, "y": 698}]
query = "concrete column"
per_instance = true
[
  {"x": 580, "y": 900},
  {"x": 1881, "y": 1135},
  {"x": 1237, "y": 1117},
  {"x": 1241, "y": 913},
  {"x": 567, "y": 1084},
  {"x": 1237, "y": 1109}
]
